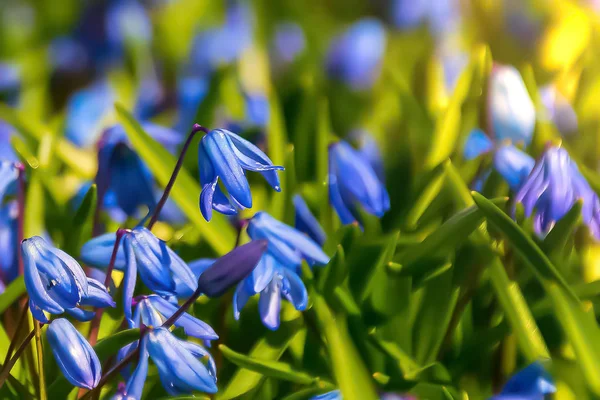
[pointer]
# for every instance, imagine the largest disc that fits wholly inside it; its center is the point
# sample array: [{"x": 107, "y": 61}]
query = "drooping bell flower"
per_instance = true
[
  {"x": 513, "y": 164},
  {"x": 353, "y": 183},
  {"x": 8, "y": 242},
  {"x": 355, "y": 57},
  {"x": 276, "y": 275},
  {"x": 56, "y": 283},
  {"x": 224, "y": 155},
  {"x": 183, "y": 367},
  {"x": 553, "y": 187},
  {"x": 532, "y": 382},
  {"x": 511, "y": 113},
  {"x": 88, "y": 112},
  {"x": 9, "y": 173},
  {"x": 306, "y": 221},
  {"x": 73, "y": 354},
  {"x": 368, "y": 148}
]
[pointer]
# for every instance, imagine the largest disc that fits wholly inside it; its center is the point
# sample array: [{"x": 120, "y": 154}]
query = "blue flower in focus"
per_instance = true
[
  {"x": 513, "y": 164},
  {"x": 532, "y": 382},
  {"x": 551, "y": 189},
  {"x": 181, "y": 365},
  {"x": 276, "y": 274},
  {"x": 353, "y": 183},
  {"x": 288, "y": 43},
  {"x": 511, "y": 114},
  {"x": 74, "y": 355},
  {"x": 306, "y": 221},
  {"x": 8, "y": 242},
  {"x": 56, "y": 283},
  {"x": 87, "y": 113},
  {"x": 224, "y": 155},
  {"x": 9, "y": 174},
  {"x": 355, "y": 57}
]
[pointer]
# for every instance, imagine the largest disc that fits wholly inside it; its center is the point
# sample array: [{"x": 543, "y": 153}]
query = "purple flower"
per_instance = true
[{"x": 554, "y": 185}]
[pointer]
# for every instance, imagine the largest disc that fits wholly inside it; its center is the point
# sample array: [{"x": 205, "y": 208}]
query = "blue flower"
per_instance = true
[
  {"x": 355, "y": 56},
  {"x": 333, "y": 395},
  {"x": 225, "y": 155},
  {"x": 352, "y": 182},
  {"x": 408, "y": 14},
  {"x": 532, "y": 382},
  {"x": 477, "y": 143},
  {"x": 68, "y": 55},
  {"x": 511, "y": 114},
  {"x": 56, "y": 282},
  {"x": 10, "y": 82},
  {"x": 552, "y": 187},
  {"x": 8, "y": 242},
  {"x": 153, "y": 310},
  {"x": 121, "y": 171},
  {"x": 368, "y": 148},
  {"x": 513, "y": 164},
  {"x": 288, "y": 43},
  {"x": 87, "y": 113},
  {"x": 97, "y": 252},
  {"x": 276, "y": 275},
  {"x": 9, "y": 174},
  {"x": 127, "y": 22},
  {"x": 306, "y": 222},
  {"x": 6, "y": 151},
  {"x": 559, "y": 110},
  {"x": 257, "y": 109},
  {"x": 180, "y": 365},
  {"x": 74, "y": 355},
  {"x": 191, "y": 90}
]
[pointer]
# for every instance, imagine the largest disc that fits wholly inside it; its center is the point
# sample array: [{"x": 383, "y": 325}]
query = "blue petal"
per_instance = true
[
  {"x": 80, "y": 314},
  {"x": 129, "y": 279},
  {"x": 37, "y": 312},
  {"x": 179, "y": 370},
  {"x": 333, "y": 395},
  {"x": 306, "y": 221},
  {"x": 227, "y": 167},
  {"x": 192, "y": 326},
  {"x": 532, "y": 380},
  {"x": 335, "y": 196},
  {"x": 136, "y": 381},
  {"x": 514, "y": 165},
  {"x": 269, "y": 305},
  {"x": 293, "y": 289},
  {"x": 185, "y": 280},
  {"x": 8, "y": 177},
  {"x": 33, "y": 282},
  {"x": 201, "y": 265},
  {"x": 154, "y": 261},
  {"x": 240, "y": 298},
  {"x": 262, "y": 274},
  {"x": 97, "y": 252},
  {"x": 97, "y": 295},
  {"x": 148, "y": 314},
  {"x": 74, "y": 355},
  {"x": 200, "y": 352},
  {"x": 477, "y": 144}
]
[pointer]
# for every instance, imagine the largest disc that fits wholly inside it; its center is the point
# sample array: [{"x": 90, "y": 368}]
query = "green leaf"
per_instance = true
[
  {"x": 282, "y": 206},
  {"x": 435, "y": 183},
  {"x": 452, "y": 232},
  {"x": 558, "y": 237},
  {"x": 522, "y": 243},
  {"x": 24, "y": 152},
  {"x": 334, "y": 273},
  {"x": 81, "y": 162},
  {"x": 12, "y": 293},
  {"x": 269, "y": 348},
  {"x": 186, "y": 191},
  {"x": 272, "y": 369},
  {"x": 105, "y": 348},
  {"x": 81, "y": 229}
]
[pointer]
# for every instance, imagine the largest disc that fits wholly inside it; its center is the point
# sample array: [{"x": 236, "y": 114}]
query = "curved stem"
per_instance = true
[
  {"x": 95, "y": 326},
  {"x": 197, "y": 128},
  {"x": 37, "y": 328},
  {"x": 20, "y": 325},
  {"x": 9, "y": 365}
]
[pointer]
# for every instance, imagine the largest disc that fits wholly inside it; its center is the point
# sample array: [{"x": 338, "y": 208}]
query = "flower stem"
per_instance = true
[
  {"x": 10, "y": 364},
  {"x": 20, "y": 325},
  {"x": 95, "y": 325},
  {"x": 40, "y": 358},
  {"x": 197, "y": 128}
]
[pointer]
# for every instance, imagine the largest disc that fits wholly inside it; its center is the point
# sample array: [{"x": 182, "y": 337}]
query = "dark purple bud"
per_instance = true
[{"x": 230, "y": 269}]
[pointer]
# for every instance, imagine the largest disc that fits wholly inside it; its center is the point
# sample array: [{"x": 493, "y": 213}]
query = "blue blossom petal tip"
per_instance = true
[
  {"x": 74, "y": 355},
  {"x": 532, "y": 382},
  {"x": 513, "y": 164},
  {"x": 477, "y": 144},
  {"x": 225, "y": 156},
  {"x": 306, "y": 221},
  {"x": 511, "y": 111}
]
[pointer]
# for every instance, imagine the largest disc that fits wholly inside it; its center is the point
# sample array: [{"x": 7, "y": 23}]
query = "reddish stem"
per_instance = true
[{"x": 197, "y": 128}]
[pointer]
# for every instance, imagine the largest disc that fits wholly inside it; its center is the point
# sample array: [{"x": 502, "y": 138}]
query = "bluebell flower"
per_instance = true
[
  {"x": 122, "y": 172},
  {"x": 56, "y": 283},
  {"x": 409, "y": 14},
  {"x": 306, "y": 221},
  {"x": 353, "y": 183},
  {"x": 511, "y": 114},
  {"x": 8, "y": 242},
  {"x": 257, "y": 109},
  {"x": 355, "y": 57},
  {"x": 151, "y": 95},
  {"x": 276, "y": 274},
  {"x": 68, "y": 55},
  {"x": 153, "y": 310},
  {"x": 87, "y": 113},
  {"x": 551, "y": 189},
  {"x": 73, "y": 354},
  {"x": 9, "y": 174},
  {"x": 6, "y": 151},
  {"x": 333, "y": 395},
  {"x": 225, "y": 155},
  {"x": 127, "y": 22},
  {"x": 10, "y": 82},
  {"x": 181, "y": 366},
  {"x": 288, "y": 43},
  {"x": 532, "y": 382},
  {"x": 477, "y": 143},
  {"x": 368, "y": 148},
  {"x": 513, "y": 164},
  {"x": 200, "y": 265},
  {"x": 191, "y": 90}
]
